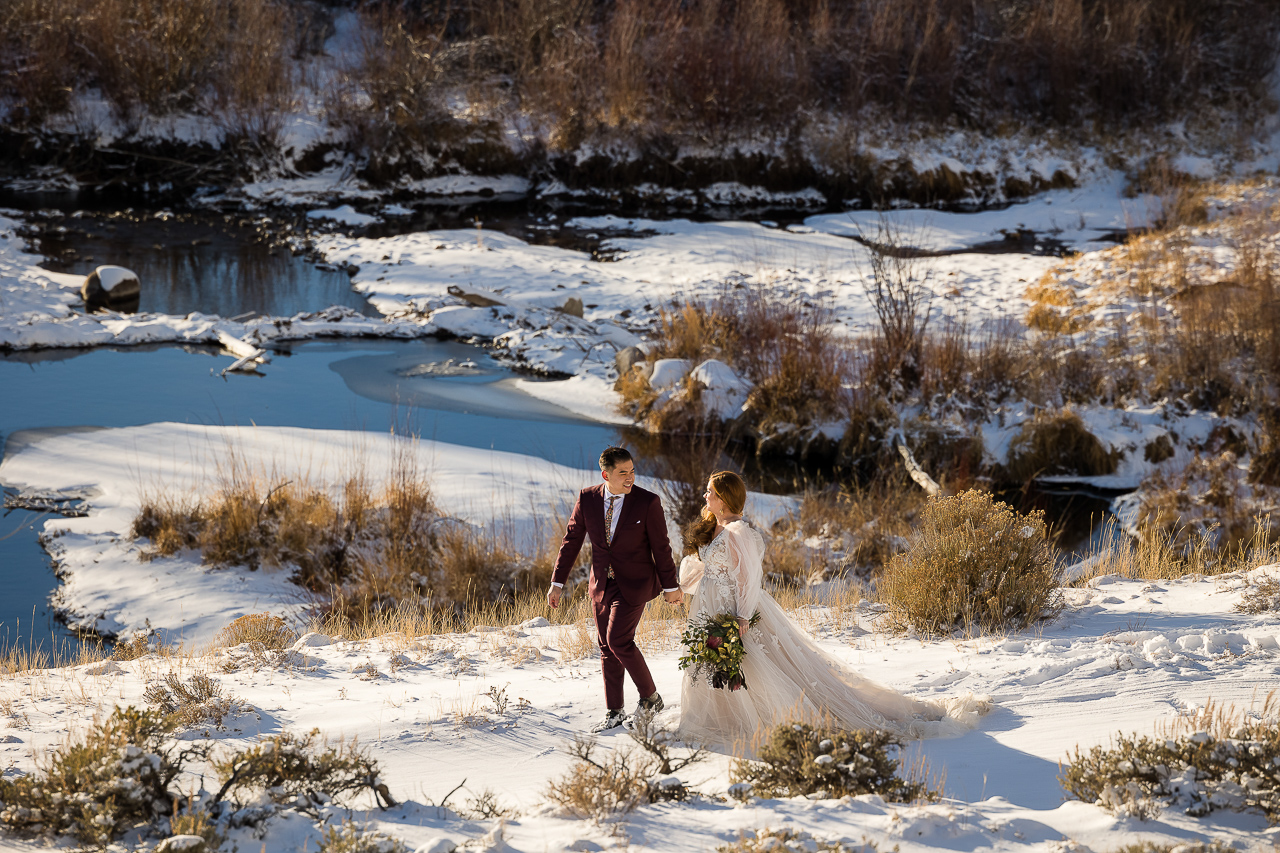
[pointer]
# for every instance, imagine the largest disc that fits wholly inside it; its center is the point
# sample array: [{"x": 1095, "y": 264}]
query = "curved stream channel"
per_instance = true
[
  {"x": 228, "y": 266},
  {"x": 367, "y": 384}
]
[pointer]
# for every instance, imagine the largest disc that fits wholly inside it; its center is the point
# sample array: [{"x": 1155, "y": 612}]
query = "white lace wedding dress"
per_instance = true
[{"x": 788, "y": 676}]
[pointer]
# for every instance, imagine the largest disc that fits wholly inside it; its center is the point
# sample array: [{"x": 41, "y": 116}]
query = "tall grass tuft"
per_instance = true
[{"x": 228, "y": 58}]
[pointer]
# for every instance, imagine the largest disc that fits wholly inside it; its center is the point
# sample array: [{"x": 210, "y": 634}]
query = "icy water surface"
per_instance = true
[
  {"x": 211, "y": 266},
  {"x": 364, "y": 384}
]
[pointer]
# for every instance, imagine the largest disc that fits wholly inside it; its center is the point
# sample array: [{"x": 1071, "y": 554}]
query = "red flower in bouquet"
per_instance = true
[{"x": 715, "y": 642}]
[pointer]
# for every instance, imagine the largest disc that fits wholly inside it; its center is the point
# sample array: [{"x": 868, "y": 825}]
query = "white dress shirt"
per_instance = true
[{"x": 617, "y": 510}]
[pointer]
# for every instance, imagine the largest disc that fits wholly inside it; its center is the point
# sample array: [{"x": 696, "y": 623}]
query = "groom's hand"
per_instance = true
[
  {"x": 553, "y": 597},
  {"x": 674, "y": 597}
]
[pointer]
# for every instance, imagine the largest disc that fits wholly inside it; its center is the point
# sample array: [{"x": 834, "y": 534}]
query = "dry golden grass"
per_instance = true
[
  {"x": 17, "y": 659},
  {"x": 271, "y": 632},
  {"x": 1055, "y": 308},
  {"x": 868, "y": 525},
  {"x": 362, "y": 549},
  {"x": 231, "y": 58},
  {"x": 1162, "y": 553}
]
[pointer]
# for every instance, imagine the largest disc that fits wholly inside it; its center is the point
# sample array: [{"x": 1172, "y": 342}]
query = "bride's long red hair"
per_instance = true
[{"x": 729, "y": 487}]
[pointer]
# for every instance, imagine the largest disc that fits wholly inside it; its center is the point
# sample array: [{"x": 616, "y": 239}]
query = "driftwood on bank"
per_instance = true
[
  {"x": 918, "y": 474},
  {"x": 477, "y": 296}
]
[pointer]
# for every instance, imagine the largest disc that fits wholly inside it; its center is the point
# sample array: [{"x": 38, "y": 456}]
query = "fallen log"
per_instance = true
[
  {"x": 478, "y": 297},
  {"x": 917, "y": 474}
]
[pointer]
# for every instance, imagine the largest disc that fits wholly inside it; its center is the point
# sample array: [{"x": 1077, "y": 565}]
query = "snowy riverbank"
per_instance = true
[
  {"x": 1124, "y": 656},
  {"x": 107, "y": 588}
]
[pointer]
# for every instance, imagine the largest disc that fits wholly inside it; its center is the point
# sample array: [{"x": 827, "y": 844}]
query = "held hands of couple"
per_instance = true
[{"x": 675, "y": 597}]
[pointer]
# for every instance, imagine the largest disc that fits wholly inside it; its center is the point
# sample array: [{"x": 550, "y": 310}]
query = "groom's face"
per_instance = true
[{"x": 620, "y": 478}]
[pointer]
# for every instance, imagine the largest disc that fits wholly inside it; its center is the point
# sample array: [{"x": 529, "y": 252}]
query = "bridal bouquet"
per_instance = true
[{"x": 713, "y": 647}]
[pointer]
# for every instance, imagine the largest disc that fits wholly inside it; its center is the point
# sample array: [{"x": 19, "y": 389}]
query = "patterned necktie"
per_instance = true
[{"x": 608, "y": 521}]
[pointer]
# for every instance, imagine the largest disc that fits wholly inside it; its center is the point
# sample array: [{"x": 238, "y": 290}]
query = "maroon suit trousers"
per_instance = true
[{"x": 616, "y": 622}]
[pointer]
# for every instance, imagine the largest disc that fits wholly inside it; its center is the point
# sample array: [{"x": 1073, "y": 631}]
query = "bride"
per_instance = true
[{"x": 788, "y": 677}]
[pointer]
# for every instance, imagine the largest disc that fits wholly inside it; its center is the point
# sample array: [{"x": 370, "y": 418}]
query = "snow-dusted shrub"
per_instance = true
[
  {"x": 599, "y": 787},
  {"x": 198, "y": 701},
  {"x": 98, "y": 785},
  {"x": 485, "y": 806},
  {"x": 1218, "y": 759},
  {"x": 660, "y": 742},
  {"x": 782, "y": 348},
  {"x": 1056, "y": 443},
  {"x": 1185, "y": 847},
  {"x": 287, "y": 765},
  {"x": 798, "y": 759},
  {"x": 134, "y": 647},
  {"x": 350, "y": 838},
  {"x": 197, "y": 822},
  {"x": 1262, "y": 597},
  {"x": 271, "y": 632},
  {"x": 972, "y": 563},
  {"x": 792, "y": 841}
]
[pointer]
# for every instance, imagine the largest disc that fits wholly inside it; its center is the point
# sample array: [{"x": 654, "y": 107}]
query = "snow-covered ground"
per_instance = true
[
  {"x": 408, "y": 278},
  {"x": 39, "y": 308},
  {"x": 1124, "y": 656},
  {"x": 107, "y": 588},
  {"x": 653, "y": 262}
]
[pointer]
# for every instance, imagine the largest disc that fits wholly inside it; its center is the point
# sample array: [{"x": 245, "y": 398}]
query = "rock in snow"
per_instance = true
[
  {"x": 725, "y": 393},
  {"x": 668, "y": 372},
  {"x": 112, "y": 287}
]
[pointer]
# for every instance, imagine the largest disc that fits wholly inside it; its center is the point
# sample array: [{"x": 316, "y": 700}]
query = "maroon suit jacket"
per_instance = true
[{"x": 640, "y": 553}]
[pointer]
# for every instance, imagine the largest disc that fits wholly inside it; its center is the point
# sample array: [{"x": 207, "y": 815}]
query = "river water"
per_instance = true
[
  {"x": 233, "y": 266},
  {"x": 214, "y": 265}
]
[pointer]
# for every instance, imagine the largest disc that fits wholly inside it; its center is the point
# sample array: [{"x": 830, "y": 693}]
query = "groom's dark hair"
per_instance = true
[{"x": 612, "y": 457}]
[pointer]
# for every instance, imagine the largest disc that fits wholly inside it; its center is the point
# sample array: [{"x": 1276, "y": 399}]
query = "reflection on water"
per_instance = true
[
  {"x": 26, "y": 617},
  {"x": 206, "y": 266},
  {"x": 322, "y": 385}
]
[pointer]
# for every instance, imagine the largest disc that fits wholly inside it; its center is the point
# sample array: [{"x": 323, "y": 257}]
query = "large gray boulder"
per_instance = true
[
  {"x": 626, "y": 358},
  {"x": 111, "y": 287}
]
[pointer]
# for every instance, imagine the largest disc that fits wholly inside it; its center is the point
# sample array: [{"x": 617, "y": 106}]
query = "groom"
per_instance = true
[{"x": 630, "y": 563}]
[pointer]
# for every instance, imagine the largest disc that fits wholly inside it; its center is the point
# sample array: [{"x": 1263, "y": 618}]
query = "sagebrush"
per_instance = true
[
  {"x": 973, "y": 563},
  {"x": 1219, "y": 758},
  {"x": 601, "y": 786},
  {"x": 97, "y": 785},
  {"x": 288, "y": 765},
  {"x": 798, "y": 759}
]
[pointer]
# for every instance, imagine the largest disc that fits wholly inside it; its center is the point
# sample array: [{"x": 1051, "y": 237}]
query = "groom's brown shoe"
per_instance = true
[{"x": 612, "y": 720}]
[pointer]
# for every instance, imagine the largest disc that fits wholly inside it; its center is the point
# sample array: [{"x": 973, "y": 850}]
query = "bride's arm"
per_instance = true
[
  {"x": 746, "y": 552},
  {"x": 691, "y": 569}
]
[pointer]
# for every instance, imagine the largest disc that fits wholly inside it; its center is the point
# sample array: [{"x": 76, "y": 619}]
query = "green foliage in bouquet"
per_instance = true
[{"x": 713, "y": 648}]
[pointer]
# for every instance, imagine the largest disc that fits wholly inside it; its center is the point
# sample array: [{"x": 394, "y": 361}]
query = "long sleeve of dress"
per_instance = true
[
  {"x": 691, "y": 569},
  {"x": 746, "y": 569}
]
